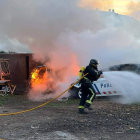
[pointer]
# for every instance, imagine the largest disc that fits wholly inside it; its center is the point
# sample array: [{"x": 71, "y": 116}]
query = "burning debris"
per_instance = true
[
  {"x": 37, "y": 76},
  {"x": 40, "y": 77},
  {"x": 43, "y": 83}
]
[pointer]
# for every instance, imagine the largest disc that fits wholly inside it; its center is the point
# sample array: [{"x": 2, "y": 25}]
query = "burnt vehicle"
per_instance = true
[
  {"x": 126, "y": 67},
  {"x": 37, "y": 75},
  {"x": 6, "y": 86}
]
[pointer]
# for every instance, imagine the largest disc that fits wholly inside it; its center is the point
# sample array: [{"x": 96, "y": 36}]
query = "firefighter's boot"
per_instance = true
[
  {"x": 87, "y": 105},
  {"x": 82, "y": 111}
]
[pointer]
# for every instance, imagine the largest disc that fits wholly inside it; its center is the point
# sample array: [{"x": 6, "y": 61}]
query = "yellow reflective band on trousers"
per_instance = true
[
  {"x": 93, "y": 94},
  {"x": 81, "y": 107}
]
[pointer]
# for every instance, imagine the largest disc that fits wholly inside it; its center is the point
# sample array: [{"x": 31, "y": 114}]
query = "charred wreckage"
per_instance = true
[{"x": 6, "y": 86}]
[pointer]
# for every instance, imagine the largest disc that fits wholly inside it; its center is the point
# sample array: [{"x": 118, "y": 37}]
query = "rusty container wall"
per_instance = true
[{"x": 21, "y": 66}]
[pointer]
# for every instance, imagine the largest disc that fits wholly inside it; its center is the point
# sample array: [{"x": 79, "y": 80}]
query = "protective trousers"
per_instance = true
[{"x": 88, "y": 95}]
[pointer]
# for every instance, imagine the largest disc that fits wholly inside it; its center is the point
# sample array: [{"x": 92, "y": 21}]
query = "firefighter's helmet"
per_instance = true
[{"x": 94, "y": 62}]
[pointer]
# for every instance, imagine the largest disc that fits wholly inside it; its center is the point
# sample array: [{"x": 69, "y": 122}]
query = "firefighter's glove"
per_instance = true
[{"x": 100, "y": 72}]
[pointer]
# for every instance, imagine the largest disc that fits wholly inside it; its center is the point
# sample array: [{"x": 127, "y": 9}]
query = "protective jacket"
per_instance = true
[{"x": 93, "y": 73}]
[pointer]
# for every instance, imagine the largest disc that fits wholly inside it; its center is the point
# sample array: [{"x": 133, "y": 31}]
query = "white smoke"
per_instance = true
[
  {"x": 110, "y": 46},
  {"x": 127, "y": 83},
  {"x": 13, "y": 45}
]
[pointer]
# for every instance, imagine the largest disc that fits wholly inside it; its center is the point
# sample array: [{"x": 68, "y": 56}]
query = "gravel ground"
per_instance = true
[{"x": 60, "y": 120}]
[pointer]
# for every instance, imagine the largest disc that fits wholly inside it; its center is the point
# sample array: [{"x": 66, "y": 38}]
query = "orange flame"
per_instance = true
[{"x": 37, "y": 78}]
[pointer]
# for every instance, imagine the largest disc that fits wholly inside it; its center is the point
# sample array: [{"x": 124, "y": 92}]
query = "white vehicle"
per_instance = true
[{"x": 101, "y": 86}]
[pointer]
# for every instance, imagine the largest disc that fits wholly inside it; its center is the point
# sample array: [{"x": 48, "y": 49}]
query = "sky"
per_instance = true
[{"x": 126, "y": 7}]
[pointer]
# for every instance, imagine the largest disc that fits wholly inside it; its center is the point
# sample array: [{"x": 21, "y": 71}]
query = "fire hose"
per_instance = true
[{"x": 46, "y": 102}]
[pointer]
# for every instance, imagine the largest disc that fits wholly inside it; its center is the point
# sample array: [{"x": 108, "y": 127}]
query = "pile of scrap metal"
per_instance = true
[{"x": 5, "y": 82}]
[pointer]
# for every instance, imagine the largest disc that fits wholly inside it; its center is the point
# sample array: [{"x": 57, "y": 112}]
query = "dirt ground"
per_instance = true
[{"x": 60, "y": 120}]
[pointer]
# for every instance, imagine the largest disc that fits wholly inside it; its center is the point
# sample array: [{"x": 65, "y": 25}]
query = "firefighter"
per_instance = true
[{"x": 88, "y": 92}]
